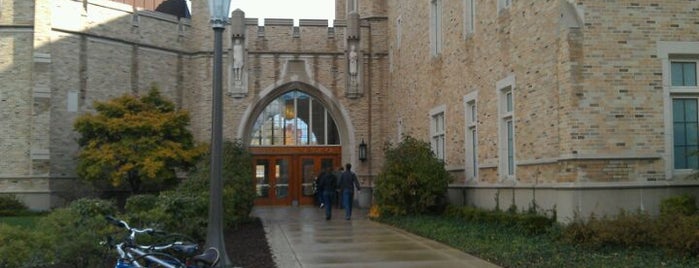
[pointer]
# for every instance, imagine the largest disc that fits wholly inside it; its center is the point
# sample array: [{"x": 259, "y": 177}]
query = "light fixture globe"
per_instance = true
[{"x": 219, "y": 10}]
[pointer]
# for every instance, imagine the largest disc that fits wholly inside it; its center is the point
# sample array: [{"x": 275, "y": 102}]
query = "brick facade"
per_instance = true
[{"x": 589, "y": 101}]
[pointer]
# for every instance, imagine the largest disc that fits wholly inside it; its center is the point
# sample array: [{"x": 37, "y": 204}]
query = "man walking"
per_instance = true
[
  {"x": 348, "y": 181},
  {"x": 328, "y": 184}
]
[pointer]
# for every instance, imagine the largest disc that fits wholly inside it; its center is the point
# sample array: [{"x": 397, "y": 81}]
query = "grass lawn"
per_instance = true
[
  {"x": 510, "y": 247},
  {"x": 24, "y": 221}
]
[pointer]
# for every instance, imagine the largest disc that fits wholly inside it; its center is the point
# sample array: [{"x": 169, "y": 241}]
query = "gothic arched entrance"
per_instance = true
[{"x": 293, "y": 138}]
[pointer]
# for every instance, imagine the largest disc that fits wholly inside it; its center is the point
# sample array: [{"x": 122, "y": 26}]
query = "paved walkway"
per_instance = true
[{"x": 301, "y": 237}]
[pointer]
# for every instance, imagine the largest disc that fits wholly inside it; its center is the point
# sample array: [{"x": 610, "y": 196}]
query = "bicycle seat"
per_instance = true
[
  {"x": 209, "y": 257},
  {"x": 187, "y": 249}
]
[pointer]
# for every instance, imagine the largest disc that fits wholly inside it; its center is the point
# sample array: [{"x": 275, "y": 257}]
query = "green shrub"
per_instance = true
[
  {"x": 92, "y": 207},
  {"x": 636, "y": 230},
  {"x": 625, "y": 230},
  {"x": 628, "y": 230},
  {"x": 528, "y": 222},
  {"x": 678, "y": 205},
  {"x": 185, "y": 209},
  {"x": 412, "y": 180},
  {"x": 141, "y": 210},
  {"x": 66, "y": 237},
  {"x": 678, "y": 233},
  {"x": 11, "y": 206},
  {"x": 238, "y": 192},
  {"x": 74, "y": 233},
  {"x": 21, "y": 247},
  {"x": 182, "y": 213}
]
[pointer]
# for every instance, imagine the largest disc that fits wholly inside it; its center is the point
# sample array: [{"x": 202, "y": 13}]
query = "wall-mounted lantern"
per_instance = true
[{"x": 362, "y": 151}]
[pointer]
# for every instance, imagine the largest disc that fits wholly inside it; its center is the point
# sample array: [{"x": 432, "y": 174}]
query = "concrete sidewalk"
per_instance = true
[{"x": 301, "y": 237}]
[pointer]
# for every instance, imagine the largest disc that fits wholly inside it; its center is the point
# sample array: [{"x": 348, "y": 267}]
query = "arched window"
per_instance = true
[{"x": 294, "y": 119}]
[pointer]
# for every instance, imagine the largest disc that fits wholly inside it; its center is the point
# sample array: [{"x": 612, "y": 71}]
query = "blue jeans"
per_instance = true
[
  {"x": 347, "y": 199},
  {"x": 327, "y": 200}
]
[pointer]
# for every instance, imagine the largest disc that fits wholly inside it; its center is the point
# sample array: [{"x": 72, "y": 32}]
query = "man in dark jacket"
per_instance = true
[
  {"x": 328, "y": 183},
  {"x": 348, "y": 181}
]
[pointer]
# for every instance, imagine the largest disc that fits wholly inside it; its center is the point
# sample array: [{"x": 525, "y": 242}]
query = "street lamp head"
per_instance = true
[
  {"x": 362, "y": 151},
  {"x": 219, "y": 10}
]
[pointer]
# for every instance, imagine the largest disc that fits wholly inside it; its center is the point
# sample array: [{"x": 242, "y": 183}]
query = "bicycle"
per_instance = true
[{"x": 177, "y": 254}]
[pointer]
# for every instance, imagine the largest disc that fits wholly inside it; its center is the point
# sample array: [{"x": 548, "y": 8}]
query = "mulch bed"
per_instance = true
[{"x": 247, "y": 246}]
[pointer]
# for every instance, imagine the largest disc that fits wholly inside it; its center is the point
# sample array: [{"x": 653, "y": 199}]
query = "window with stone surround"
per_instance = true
[
  {"x": 469, "y": 17},
  {"x": 437, "y": 131},
  {"x": 471, "y": 136},
  {"x": 685, "y": 115},
  {"x": 681, "y": 105},
  {"x": 436, "y": 27},
  {"x": 683, "y": 73},
  {"x": 295, "y": 119},
  {"x": 506, "y": 128}
]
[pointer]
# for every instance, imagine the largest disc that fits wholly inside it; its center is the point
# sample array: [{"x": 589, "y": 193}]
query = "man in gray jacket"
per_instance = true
[{"x": 348, "y": 181}]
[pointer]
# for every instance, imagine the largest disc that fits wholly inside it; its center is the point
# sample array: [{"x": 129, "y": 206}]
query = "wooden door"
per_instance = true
[
  {"x": 286, "y": 175},
  {"x": 310, "y": 166},
  {"x": 272, "y": 180}
]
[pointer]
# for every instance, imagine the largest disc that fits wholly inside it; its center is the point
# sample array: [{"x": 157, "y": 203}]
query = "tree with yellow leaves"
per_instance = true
[{"x": 133, "y": 140}]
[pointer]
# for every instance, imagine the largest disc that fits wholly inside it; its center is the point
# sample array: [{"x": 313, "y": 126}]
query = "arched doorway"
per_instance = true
[{"x": 293, "y": 138}]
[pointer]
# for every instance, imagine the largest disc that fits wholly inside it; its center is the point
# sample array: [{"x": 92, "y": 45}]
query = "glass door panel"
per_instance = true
[
  {"x": 262, "y": 179},
  {"x": 282, "y": 174},
  {"x": 309, "y": 173}
]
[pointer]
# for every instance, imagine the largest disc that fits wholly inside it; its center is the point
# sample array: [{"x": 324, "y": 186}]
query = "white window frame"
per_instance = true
[
  {"x": 436, "y": 27},
  {"x": 688, "y": 89},
  {"x": 469, "y": 18},
  {"x": 438, "y": 131},
  {"x": 471, "y": 149},
  {"x": 669, "y": 52},
  {"x": 507, "y": 150}
]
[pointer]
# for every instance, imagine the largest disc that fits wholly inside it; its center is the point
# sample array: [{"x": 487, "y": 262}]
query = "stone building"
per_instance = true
[{"x": 579, "y": 106}]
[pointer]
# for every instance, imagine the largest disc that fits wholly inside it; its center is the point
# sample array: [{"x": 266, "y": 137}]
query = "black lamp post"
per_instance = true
[
  {"x": 362, "y": 151},
  {"x": 219, "y": 10}
]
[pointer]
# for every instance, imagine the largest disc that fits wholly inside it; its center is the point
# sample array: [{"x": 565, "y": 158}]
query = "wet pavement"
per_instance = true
[{"x": 301, "y": 237}]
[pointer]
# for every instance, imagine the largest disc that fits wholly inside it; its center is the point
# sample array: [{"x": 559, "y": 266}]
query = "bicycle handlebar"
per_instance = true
[
  {"x": 123, "y": 224},
  {"x": 150, "y": 252}
]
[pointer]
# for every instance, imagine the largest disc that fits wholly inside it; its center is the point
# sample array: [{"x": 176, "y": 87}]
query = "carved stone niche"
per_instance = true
[
  {"x": 354, "y": 58},
  {"x": 237, "y": 71}
]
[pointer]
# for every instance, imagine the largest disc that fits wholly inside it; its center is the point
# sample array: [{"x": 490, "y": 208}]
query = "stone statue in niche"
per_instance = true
[
  {"x": 353, "y": 57},
  {"x": 238, "y": 61}
]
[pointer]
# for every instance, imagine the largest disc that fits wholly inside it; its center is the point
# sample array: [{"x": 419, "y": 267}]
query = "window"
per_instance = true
[
  {"x": 437, "y": 132},
  {"x": 506, "y": 129},
  {"x": 471, "y": 136},
  {"x": 681, "y": 106},
  {"x": 684, "y": 73},
  {"x": 685, "y": 123},
  {"x": 436, "y": 26},
  {"x": 295, "y": 118},
  {"x": 469, "y": 17},
  {"x": 504, "y": 4}
]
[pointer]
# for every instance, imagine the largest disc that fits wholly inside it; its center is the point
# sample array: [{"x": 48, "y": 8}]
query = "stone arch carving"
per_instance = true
[{"x": 335, "y": 109}]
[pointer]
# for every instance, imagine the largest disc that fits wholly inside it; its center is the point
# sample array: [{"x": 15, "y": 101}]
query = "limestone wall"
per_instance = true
[
  {"x": 587, "y": 84},
  {"x": 280, "y": 55},
  {"x": 108, "y": 52},
  {"x": 56, "y": 59}
]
